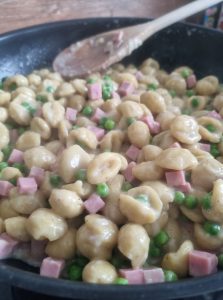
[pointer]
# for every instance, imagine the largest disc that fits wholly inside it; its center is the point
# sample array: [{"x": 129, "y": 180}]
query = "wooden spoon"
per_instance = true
[{"x": 99, "y": 52}]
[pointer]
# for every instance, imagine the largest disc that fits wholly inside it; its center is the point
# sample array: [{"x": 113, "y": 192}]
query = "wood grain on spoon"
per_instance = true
[{"x": 99, "y": 52}]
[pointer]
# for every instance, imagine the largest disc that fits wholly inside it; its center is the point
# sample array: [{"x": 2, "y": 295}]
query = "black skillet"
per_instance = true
[{"x": 23, "y": 50}]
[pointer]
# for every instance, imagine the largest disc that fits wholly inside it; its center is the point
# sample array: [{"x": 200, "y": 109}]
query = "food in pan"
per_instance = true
[{"x": 114, "y": 178}]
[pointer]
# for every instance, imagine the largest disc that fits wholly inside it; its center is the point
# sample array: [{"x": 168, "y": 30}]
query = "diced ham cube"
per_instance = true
[
  {"x": 185, "y": 188},
  {"x": 71, "y": 114},
  {"x": 214, "y": 114},
  {"x": 93, "y": 204},
  {"x": 128, "y": 172},
  {"x": 95, "y": 91},
  {"x": 154, "y": 126},
  {"x": 205, "y": 147},
  {"x": 139, "y": 75},
  {"x": 27, "y": 185},
  {"x": 51, "y": 267},
  {"x": 5, "y": 187},
  {"x": 132, "y": 152},
  {"x": 38, "y": 249},
  {"x": 126, "y": 88},
  {"x": 133, "y": 276},
  {"x": 175, "y": 145},
  {"x": 7, "y": 245},
  {"x": 37, "y": 173},
  {"x": 99, "y": 132},
  {"x": 98, "y": 114},
  {"x": 14, "y": 135},
  {"x": 153, "y": 275},
  {"x": 16, "y": 156},
  {"x": 175, "y": 178},
  {"x": 202, "y": 263},
  {"x": 191, "y": 81}
]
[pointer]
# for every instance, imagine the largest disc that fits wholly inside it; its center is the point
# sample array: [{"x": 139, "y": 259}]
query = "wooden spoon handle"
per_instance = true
[{"x": 177, "y": 15}]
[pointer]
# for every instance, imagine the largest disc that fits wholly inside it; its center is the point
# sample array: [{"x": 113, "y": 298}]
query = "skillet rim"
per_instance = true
[{"x": 64, "y": 288}]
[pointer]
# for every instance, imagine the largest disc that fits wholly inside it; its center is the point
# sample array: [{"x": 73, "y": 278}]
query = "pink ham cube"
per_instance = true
[
  {"x": 16, "y": 156},
  {"x": 214, "y": 114},
  {"x": 5, "y": 187},
  {"x": 154, "y": 126},
  {"x": 93, "y": 204},
  {"x": 191, "y": 81},
  {"x": 205, "y": 147},
  {"x": 51, "y": 267},
  {"x": 99, "y": 132},
  {"x": 71, "y": 114},
  {"x": 95, "y": 91},
  {"x": 37, "y": 173},
  {"x": 132, "y": 152},
  {"x": 133, "y": 276},
  {"x": 128, "y": 172},
  {"x": 115, "y": 95},
  {"x": 153, "y": 275},
  {"x": 175, "y": 178},
  {"x": 202, "y": 263},
  {"x": 98, "y": 114},
  {"x": 7, "y": 245},
  {"x": 126, "y": 88},
  {"x": 185, "y": 188},
  {"x": 27, "y": 185},
  {"x": 139, "y": 75}
]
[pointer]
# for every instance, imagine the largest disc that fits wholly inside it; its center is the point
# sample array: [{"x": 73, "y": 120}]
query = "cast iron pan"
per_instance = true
[{"x": 33, "y": 48}]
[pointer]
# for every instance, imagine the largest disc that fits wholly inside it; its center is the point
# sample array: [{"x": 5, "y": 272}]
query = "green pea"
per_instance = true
[
  {"x": 142, "y": 198},
  {"x": 107, "y": 78},
  {"x": 81, "y": 261},
  {"x": 107, "y": 90},
  {"x": 130, "y": 120},
  {"x": 102, "y": 190},
  {"x": 220, "y": 261},
  {"x": 102, "y": 121},
  {"x": 30, "y": 109},
  {"x": 173, "y": 93},
  {"x": 212, "y": 228},
  {"x": 161, "y": 239},
  {"x": 91, "y": 80},
  {"x": 170, "y": 276},
  {"x": 12, "y": 86},
  {"x": 195, "y": 102},
  {"x": 87, "y": 111},
  {"x": 190, "y": 93},
  {"x": 154, "y": 251},
  {"x": 21, "y": 130},
  {"x": 21, "y": 167},
  {"x": 41, "y": 98},
  {"x": 13, "y": 181},
  {"x": 179, "y": 197},
  {"x": 214, "y": 150},
  {"x": 152, "y": 87},
  {"x": 185, "y": 73},
  {"x": 109, "y": 124},
  {"x": 6, "y": 152},
  {"x": 81, "y": 175},
  {"x": 206, "y": 201},
  {"x": 50, "y": 89},
  {"x": 75, "y": 272},
  {"x": 126, "y": 186},
  {"x": 121, "y": 281},
  {"x": 55, "y": 180},
  {"x": 210, "y": 127},
  {"x": 190, "y": 201},
  {"x": 3, "y": 165}
]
